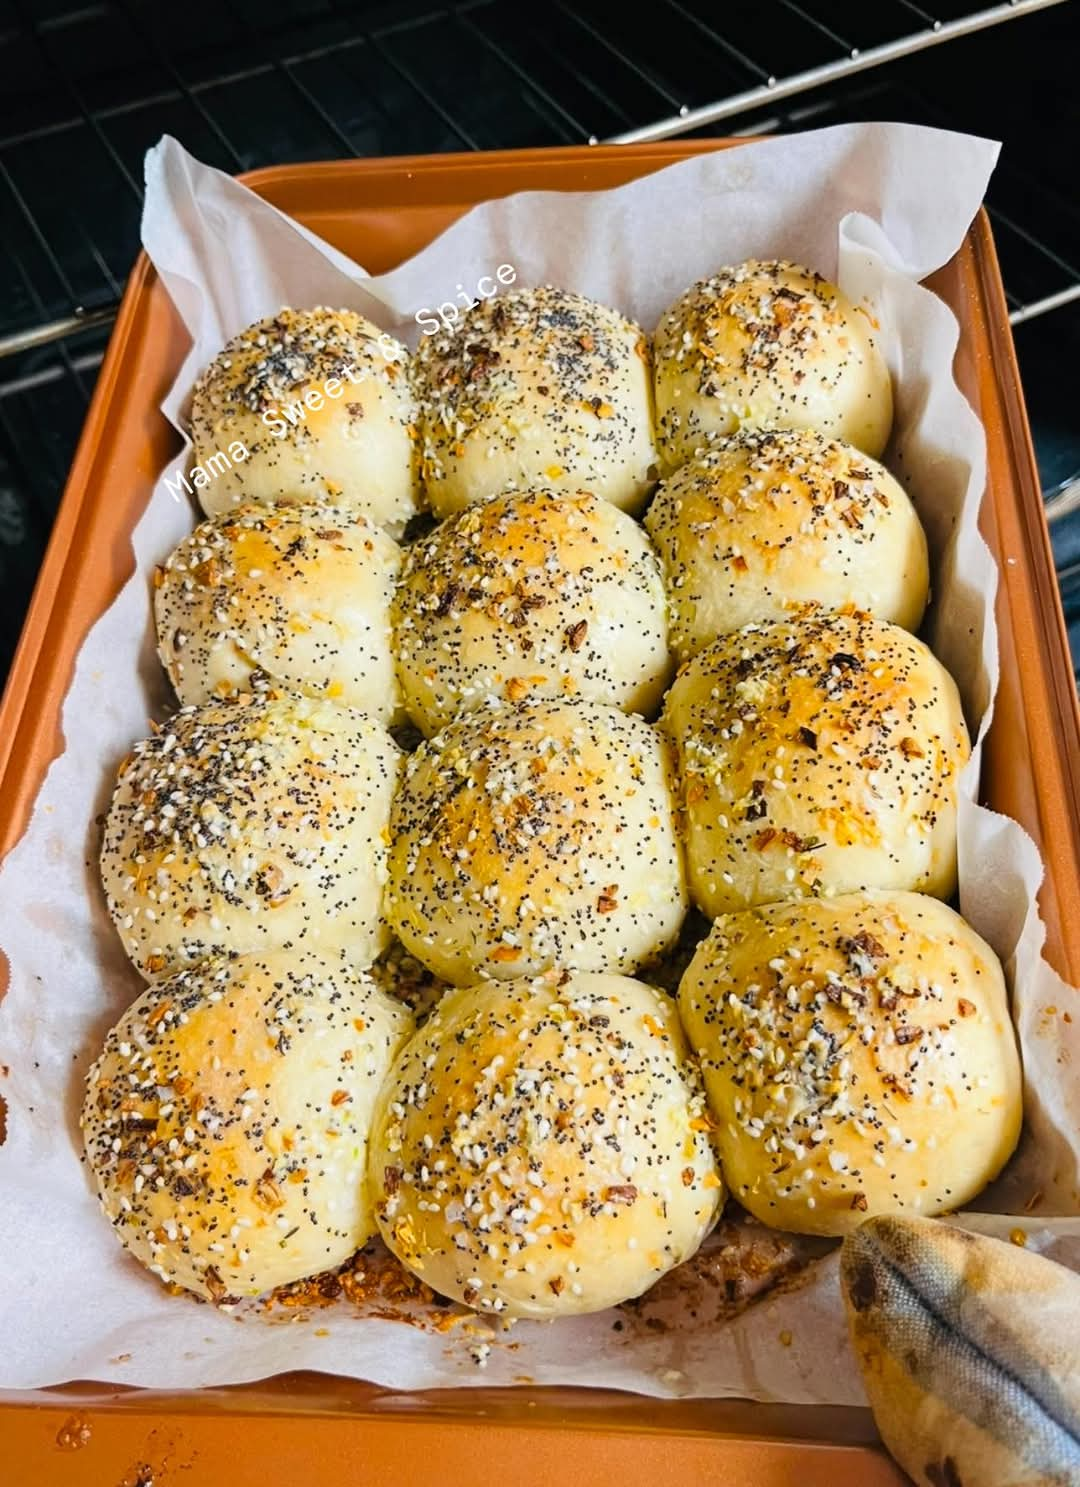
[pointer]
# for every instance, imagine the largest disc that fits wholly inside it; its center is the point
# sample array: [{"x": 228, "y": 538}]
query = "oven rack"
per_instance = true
[
  {"x": 88, "y": 87},
  {"x": 585, "y": 98}
]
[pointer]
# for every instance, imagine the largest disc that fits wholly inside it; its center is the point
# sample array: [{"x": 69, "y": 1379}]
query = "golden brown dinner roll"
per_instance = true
[
  {"x": 252, "y": 825},
  {"x": 768, "y": 522},
  {"x": 532, "y": 836},
  {"x": 768, "y": 345},
  {"x": 537, "y": 388},
  {"x": 295, "y": 595},
  {"x": 320, "y": 401},
  {"x": 819, "y": 755},
  {"x": 531, "y": 595},
  {"x": 227, "y": 1120},
  {"x": 540, "y": 1148},
  {"x": 858, "y": 1058}
]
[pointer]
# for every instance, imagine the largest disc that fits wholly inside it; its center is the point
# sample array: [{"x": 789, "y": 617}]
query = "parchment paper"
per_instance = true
[{"x": 879, "y": 206}]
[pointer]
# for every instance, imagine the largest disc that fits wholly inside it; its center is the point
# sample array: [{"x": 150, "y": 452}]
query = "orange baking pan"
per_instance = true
[{"x": 323, "y": 1430}]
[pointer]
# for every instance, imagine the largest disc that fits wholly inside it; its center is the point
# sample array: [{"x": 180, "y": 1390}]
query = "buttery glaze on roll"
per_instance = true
[
  {"x": 858, "y": 1058},
  {"x": 321, "y": 401},
  {"x": 533, "y": 836},
  {"x": 226, "y": 1122},
  {"x": 540, "y": 1147},
  {"x": 541, "y": 387},
  {"x": 768, "y": 345},
  {"x": 297, "y": 596},
  {"x": 818, "y": 755},
  {"x": 531, "y": 595},
  {"x": 769, "y": 522},
  {"x": 252, "y": 825}
]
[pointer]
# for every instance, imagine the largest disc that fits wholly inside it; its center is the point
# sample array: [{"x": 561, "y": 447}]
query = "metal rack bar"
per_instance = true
[
  {"x": 466, "y": 22},
  {"x": 111, "y": 111},
  {"x": 165, "y": 63},
  {"x": 328, "y": 121},
  {"x": 717, "y": 40},
  {"x": 12, "y": 449},
  {"x": 628, "y": 62},
  {"x": 1044, "y": 306},
  {"x": 589, "y": 84},
  {"x": 54, "y": 262},
  {"x": 191, "y": 91},
  {"x": 997, "y": 215},
  {"x": 1061, "y": 504},
  {"x": 55, "y": 330},
  {"x": 768, "y": 93},
  {"x": 84, "y": 361},
  {"x": 826, "y": 31},
  {"x": 924, "y": 15},
  {"x": 344, "y": 56},
  {"x": 284, "y": 70},
  {"x": 428, "y": 97},
  {"x": 34, "y": 28}
]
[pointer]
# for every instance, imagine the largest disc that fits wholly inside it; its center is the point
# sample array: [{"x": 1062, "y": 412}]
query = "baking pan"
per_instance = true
[{"x": 323, "y": 1430}]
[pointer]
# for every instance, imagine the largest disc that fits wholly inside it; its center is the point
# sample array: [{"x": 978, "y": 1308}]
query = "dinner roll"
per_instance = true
[
  {"x": 297, "y": 596},
  {"x": 768, "y": 345},
  {"x": 817, "y": 756},
  {"x": 540, "y": 1148},
  {"x": 226, "y": 1122},
  {"x": 320, "y": 400},
  {"x": 532, "y": 836},
  {"x": 536, "y": 388},
  {"x": 252, "y": 825},
  {"x": 770, "y": 521},
  {"x": 858, "y": 1058},
  {"x": 531, "y": 595}
]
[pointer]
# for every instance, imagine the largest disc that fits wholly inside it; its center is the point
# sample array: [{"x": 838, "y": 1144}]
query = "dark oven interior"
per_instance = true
[{"x": 87, "y": 88}]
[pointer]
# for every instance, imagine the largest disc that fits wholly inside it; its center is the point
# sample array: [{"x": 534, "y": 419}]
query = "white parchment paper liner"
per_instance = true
[{"x": 879, "y": 207}]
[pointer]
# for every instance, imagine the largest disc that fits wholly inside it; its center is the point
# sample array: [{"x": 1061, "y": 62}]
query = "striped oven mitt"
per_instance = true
[{"x": 970, "y": 1354}]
